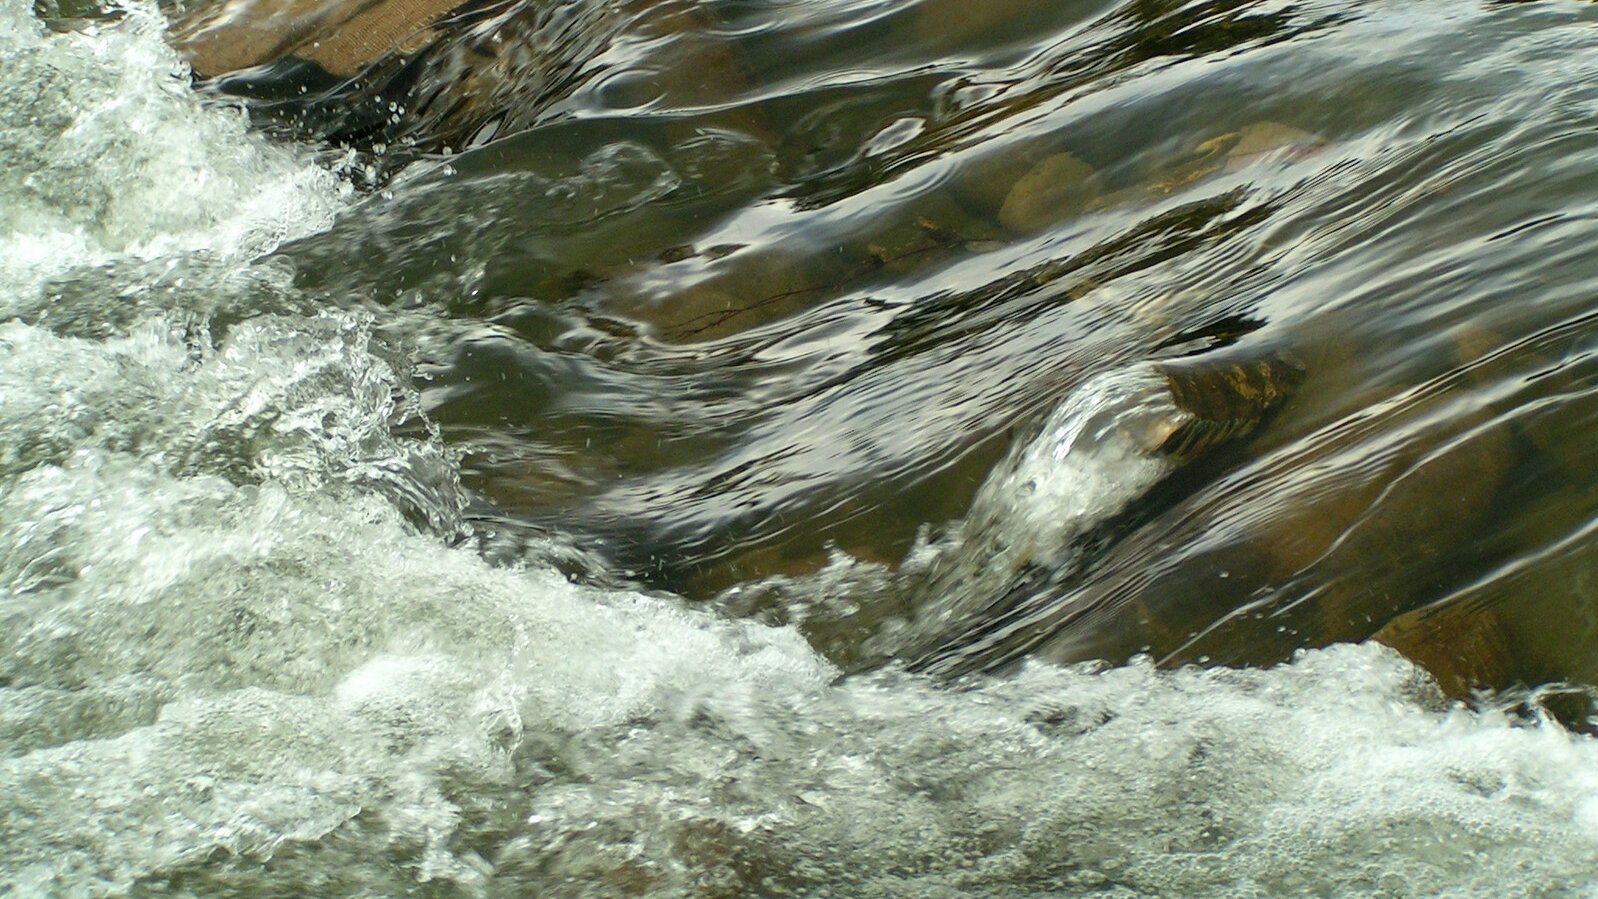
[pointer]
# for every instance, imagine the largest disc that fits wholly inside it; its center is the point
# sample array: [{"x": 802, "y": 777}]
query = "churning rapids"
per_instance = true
[{"x": 625, "y": 502}]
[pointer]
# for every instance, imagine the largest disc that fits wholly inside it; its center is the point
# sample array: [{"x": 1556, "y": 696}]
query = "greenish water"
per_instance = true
[{"x": 558, "y": 514}]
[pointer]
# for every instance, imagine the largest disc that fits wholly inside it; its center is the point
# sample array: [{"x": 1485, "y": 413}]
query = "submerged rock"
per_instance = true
[
  {"x": 340, "y": 38},
  {"x": 1259, "y": 141},
  {"x": 1057, "y": 188},
  {"x": 434, "y": 74},
  {"x": 1255, "y": 143},
  {"x": 950, "y": 23},
  {"x": 1039, "y": 194}
]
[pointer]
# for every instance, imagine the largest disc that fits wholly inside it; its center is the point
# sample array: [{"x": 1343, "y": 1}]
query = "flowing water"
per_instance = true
[{"x": 589, "y": 491}]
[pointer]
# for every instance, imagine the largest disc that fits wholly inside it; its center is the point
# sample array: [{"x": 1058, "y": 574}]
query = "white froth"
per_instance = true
[{"x": 108, "y": 153}]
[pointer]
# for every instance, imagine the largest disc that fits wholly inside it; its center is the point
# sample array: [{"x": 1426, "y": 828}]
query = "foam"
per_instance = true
[{"x": 108, "y": 154}]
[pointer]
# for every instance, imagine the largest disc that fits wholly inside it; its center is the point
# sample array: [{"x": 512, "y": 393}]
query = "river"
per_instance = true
[{"x": 565, "y": 506}]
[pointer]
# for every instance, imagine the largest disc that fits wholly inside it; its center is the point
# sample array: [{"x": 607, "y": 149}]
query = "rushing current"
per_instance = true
[{"x": 601, "y": 498}]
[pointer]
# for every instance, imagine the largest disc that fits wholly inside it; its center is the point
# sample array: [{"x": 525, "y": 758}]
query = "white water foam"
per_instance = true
[
  {"x": 228, "y": 665},
  {"x": 107, "y": 153}
]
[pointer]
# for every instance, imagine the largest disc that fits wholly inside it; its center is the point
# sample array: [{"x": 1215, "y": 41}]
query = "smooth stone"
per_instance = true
[
  {"x": 1463, "y": 647},
  {"x": 341, "y": 38},
  {"x": 1234, "y": 151},
  {"x": 982, "y": 178},
  {"x": 1259, "y": 141},
  {"x": 1057, "y": 188},
  {"x": 948, "y": 23}
]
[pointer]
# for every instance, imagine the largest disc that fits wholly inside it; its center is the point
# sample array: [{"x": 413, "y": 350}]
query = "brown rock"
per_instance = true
[
  {"x": 1260, "y": 141},
  {"x": 1324, "y": 541},
  {"x": 1462, "y": 646},
  {"x": 1057, "y": 188},
  {"x": 343, "y": 38},
  {"x": 948, "y": 23}
]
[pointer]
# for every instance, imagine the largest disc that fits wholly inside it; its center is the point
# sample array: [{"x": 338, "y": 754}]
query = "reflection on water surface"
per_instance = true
[
  {"x": 766, "y": 283},
  {"x": 961, "y": 337}
]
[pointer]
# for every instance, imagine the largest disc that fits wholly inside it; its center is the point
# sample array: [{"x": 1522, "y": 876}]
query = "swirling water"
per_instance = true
[{"x": 502, "y": 531}]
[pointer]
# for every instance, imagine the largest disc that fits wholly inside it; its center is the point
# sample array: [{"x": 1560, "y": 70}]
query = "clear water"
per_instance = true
[{"x": 344, "y": 538}]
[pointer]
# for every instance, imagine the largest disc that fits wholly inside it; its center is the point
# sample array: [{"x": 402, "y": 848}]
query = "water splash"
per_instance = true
[
  {"x": 109, "y": 153},
  {"x": 1094, "y": 454}
]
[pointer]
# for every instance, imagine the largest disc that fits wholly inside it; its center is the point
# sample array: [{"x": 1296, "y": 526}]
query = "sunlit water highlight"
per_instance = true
[{"x": 240, "y": 657}]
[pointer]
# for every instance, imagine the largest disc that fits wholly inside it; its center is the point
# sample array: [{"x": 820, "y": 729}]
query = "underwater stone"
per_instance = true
[{"x": 1057, "y": 188}]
